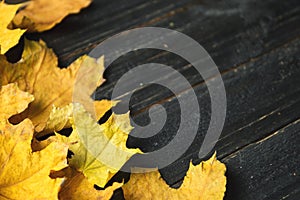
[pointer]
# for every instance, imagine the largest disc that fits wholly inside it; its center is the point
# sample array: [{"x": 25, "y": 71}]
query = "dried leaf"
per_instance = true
[
  {"x": 99, "y": 150},
  {"x": 38, "y": 74},
  {"x": 8, "y": 38},
  {"x": 23, "y": 173},
  {"x": 42, "y": 15},
  {"x": 205, "y": 181}
]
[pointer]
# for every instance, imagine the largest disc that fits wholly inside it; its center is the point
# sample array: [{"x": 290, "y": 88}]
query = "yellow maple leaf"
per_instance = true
[
  {"x": 41, "y": 15},
  {"x": 205, "y": 181},
  {"x": 99, "y": 150},
  {"x": 38, "y": 74},
  {"x": 23, "y": 173},
  {"x": 77, "y": 187},
  {"x": 8, "y": 38}
]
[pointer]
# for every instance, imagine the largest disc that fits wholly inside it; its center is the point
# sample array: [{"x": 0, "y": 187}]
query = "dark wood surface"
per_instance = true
[{"x": 255, "y": 45}]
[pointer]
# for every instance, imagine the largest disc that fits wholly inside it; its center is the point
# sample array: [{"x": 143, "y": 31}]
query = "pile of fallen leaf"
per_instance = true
[{"x": 36, "y": 104}]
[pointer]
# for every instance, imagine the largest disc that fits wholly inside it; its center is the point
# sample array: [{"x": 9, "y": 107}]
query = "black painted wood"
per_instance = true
[
  {"x": 266, "y": 169},
  {"x": 229, "y": 48},
  {"x": 262, "y": 96},
  {"x": 255, "y": 44}
]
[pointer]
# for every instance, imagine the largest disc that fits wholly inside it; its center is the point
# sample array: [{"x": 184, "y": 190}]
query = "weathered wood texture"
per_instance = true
[
  {"x": 255, "y": 44},
  {"x": 268, "y": 168}
]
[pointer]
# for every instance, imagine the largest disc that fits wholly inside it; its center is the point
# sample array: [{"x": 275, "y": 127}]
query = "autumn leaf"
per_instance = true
[
  {"x": 77, "y": 187},
  {"x": 205, "y": 181},
  {"x": 8, "y": 38},
  {"x": 42, "y": 15},
  {"x": 38, "y": 74},
  {"x": 60, "y": 117},
  {"x": 99, "y": 150},
  {"x": 23, "y": 173},
  {"x": 13, "y": 101}
]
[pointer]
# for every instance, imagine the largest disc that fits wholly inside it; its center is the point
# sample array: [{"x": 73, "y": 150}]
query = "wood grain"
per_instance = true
[{"x": 267, "y": 169}]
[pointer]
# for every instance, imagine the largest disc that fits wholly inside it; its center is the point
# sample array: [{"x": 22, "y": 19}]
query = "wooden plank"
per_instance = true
[
  {"x": 262, "y": 97},
  {"x": 229, "y": 47},
  {"x": 267, "y": 169}
]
